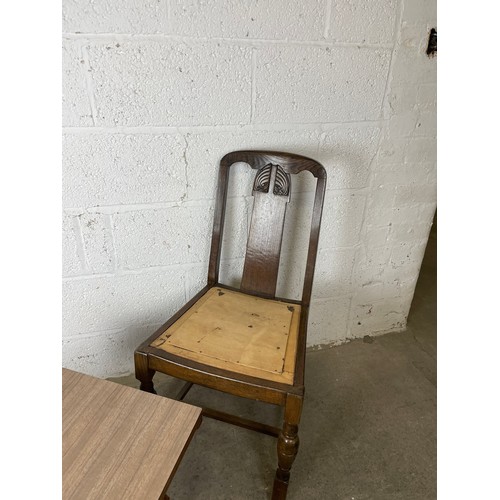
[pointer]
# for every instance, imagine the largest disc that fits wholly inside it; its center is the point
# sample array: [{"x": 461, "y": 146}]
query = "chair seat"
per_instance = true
[{"x": 239, "y": 332}]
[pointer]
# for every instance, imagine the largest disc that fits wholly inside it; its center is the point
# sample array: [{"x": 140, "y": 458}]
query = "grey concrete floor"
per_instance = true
[{"x": 368, "y": 428}]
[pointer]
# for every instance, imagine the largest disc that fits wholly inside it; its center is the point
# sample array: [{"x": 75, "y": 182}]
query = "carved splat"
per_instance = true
[
  {"x": 271, "y": 191},
  {"x": 263, "y": 179},
  {"x": 281, "y": 185}
]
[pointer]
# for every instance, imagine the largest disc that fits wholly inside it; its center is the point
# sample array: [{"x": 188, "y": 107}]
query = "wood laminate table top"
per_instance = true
[{"x": 119, "y": 442}]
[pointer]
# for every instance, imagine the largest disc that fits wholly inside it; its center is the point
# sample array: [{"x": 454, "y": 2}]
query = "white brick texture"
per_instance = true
[
  {"x": 361, "y": 21},
  {"x": 290, "y": 87},
  {"x": 147, "y": 83},
  {"x": 97, "y": 242},
  {"x": 76, "y": 106},
  {"x": 156, "y": 92},
  {"x": 122, "y": 16},
  {"x": 119, "y": 301},
  {"x": 277, "y": 19},
  {"x": 347, "y": 154},
  {"x": 162, "y": 237},
  {"x": 122, "y": 169},
  {"x": 72, "y": 262},
  {"x": 328, "y": 321}
]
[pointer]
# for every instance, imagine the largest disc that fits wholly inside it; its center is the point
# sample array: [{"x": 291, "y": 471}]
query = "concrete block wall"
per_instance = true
[{"x": 157, "y": 91}]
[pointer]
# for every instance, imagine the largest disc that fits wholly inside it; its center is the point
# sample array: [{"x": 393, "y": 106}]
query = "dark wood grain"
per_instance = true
[
  {"x": 288, "y": 445},
  {"x": 242, "y": 422},
  {"x": 271, "y": 192},
  {"x": 260, "y": 272},
  {"x": 118, "y": 442}
]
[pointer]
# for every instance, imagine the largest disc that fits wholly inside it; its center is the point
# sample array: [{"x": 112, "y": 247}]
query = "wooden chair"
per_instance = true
[{"x": 246, "y": 341}]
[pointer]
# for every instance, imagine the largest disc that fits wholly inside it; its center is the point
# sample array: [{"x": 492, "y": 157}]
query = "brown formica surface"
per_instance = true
[{"x": 118, "y": 442}]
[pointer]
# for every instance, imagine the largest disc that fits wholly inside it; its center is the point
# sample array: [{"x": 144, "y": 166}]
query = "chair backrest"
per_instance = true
[{"x": 271, "y": 191}]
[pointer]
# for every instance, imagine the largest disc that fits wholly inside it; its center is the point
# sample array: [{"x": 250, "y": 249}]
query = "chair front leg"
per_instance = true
[
  {"x": 143, "y": 374},
  {"x": 288, "y": 445}
]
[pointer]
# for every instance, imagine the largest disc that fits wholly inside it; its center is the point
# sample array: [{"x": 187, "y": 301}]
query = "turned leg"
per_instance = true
[
  {"x": 288, "y": 445},
  {"x": 146, "y": 380},
  {"x": 143, "y": 374}
]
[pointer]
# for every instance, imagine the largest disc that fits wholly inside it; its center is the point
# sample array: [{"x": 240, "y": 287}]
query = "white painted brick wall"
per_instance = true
[
  {"x": 162, "y": 237},
  {"x": 120, "y": 169},
  {"x": 347, "y": 154},
  {"x": 122, "y": 16},
  {"x": 77, "y": 110},
  {"x": 73, "y": 260},
  {"x": 156, "y": 92},
  {"x": 293, "y": 20},
  {"x": 99, "y": 303},
  {"x": 361, "y": 21},
  {"x": 188, "y": 83},
  {"x": 311, "y": 84}
]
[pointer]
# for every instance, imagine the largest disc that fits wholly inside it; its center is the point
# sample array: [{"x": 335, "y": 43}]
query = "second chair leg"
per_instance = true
[
  {"x": 288, "y": 446},
  {"x": 143, "y": 373},
  {"x": 147, "y": 382}
]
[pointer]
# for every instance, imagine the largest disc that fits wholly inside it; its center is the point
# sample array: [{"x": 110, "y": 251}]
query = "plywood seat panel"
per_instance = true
[{"x": 233, "y": 330}]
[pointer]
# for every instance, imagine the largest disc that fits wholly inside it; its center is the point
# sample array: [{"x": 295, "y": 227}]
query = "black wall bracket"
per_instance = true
[{"x": 432, "y": 45}]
